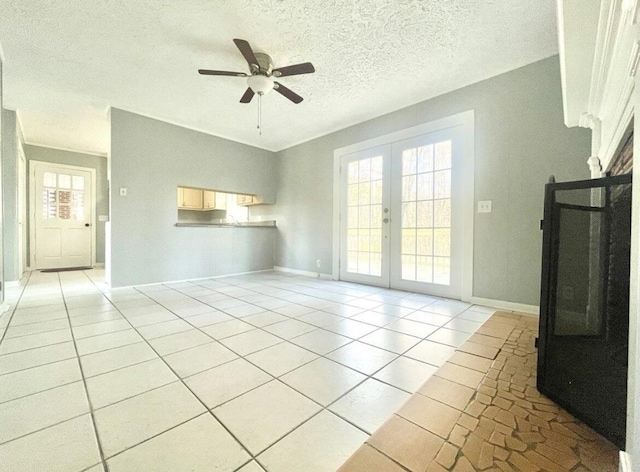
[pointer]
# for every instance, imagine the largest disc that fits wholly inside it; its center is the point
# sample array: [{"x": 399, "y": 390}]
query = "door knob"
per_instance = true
[
  {"x": 87, "y": 225},
  {"x": 386, "y": 220}
]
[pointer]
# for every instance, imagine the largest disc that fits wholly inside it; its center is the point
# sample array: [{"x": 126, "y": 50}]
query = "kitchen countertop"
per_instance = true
[{"x": 246, "y": 224}]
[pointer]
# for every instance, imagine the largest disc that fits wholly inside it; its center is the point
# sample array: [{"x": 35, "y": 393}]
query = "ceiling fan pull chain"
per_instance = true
[{"x": 260, "y": 113}]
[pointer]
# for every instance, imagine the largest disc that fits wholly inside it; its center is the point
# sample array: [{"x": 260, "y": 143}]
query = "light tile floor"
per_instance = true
[{"x": 265, "y": 371}]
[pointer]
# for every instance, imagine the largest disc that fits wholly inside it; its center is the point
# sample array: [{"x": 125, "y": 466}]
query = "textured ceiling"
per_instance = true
[{"x": 67, "y": 61}]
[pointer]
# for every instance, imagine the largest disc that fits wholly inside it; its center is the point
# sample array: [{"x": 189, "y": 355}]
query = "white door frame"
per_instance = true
[
  {"x": 22, "y": 210},
  {"x": 32, "y": 206},
  {"x": 466, "y": 120}
]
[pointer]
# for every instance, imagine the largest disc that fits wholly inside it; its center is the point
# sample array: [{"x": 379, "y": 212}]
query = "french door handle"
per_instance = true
[
  {"x": 87, "y": 225},
  {"x": 386, "y": 220}
]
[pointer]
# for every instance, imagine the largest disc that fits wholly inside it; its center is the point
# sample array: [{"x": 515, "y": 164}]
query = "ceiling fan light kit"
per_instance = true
[{"x": 260, "y": 84}]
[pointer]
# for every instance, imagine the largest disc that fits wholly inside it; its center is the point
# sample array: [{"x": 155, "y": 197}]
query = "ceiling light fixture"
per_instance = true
[{"x": 260, "y": 84}]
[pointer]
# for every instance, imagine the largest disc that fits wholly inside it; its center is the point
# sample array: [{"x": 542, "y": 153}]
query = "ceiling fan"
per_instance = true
[{"x": 261, "y": 78}]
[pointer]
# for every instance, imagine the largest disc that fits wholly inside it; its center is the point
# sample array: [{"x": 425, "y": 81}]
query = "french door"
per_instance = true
[{"x": 401, "y": 215}]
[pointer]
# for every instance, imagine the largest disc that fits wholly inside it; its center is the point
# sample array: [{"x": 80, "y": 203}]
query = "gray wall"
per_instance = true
[
  {"x": 520, "y": 140},
  {"x": 99, "y": 163},
  {"x": 151, "y": 159},
  {"x": 1, "y": 219},
  {"x": 10, "y": 195}
]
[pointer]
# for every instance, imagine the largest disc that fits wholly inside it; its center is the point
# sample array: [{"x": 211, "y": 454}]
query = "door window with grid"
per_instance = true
[
  {"x": 63, "y": 196},
  {"x": 426, "y": 213},
  {"x": 364, "y": 216}
]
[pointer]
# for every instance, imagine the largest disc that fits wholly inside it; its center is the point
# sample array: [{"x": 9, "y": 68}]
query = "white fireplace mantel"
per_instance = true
[
  {"x": 599, "y": 47},
  {"x": 599, "y": 44}
]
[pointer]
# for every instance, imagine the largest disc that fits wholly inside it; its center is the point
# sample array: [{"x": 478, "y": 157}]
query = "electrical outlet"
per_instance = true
[
  {"x": 484, "y": 206},
  {"x": 123, "y": 191},
  {"x": 318, "y": 263}
]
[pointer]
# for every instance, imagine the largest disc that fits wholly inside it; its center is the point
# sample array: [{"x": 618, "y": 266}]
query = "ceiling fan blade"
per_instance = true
[
  {"x": 248, "y": 95},
  {"x": 221, "y": 72},
  {"x": 248, "y": 53},
  {"x": 304, "y": 68},
  {"x": 291, "y": 95}
]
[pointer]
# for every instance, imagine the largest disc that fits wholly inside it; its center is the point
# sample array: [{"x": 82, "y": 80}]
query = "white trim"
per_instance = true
[
  {"x": 307, "y": 273},
  {"x": 98, "y": 265},
  {"x": 625, "y": 462},
  {"x": 191, "y": 280},
  {"x": 624, "y": 115},
  {"x": 32, "y": 196},
  {"x": 75, "y": 151},
  {"x": 12, "y": 284},
  {"x": 503, "y": 305},
  {"x": 5, "y": 307},
  {"x": 467, "y": 121}
]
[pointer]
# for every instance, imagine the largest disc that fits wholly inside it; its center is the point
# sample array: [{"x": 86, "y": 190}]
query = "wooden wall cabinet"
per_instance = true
[
  {"x": 203, "y": 200},
  {"x": 189, "y": 198},
  {"x": 214, "y": 200},
  {"x": 247, "y": 200}
]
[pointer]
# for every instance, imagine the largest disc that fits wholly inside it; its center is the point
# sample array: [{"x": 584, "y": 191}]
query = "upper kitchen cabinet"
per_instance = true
[
  {"x": 189, "y": 198},
  {"x": 247, "y": 200},
  {"x": 214, "y": 200},
  {"x": 198, "y": 199}
]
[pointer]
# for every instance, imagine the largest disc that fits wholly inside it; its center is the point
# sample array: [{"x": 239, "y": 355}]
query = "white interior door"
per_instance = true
[
  {"x": 401, "y": 215},
  {"x": 63, "y": 206},
  {"x": 426, "y": 204},
  {"x": 365, "y": 216}
]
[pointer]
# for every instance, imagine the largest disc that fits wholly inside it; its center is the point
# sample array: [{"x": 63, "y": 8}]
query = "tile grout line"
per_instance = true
[
  {"x": 179, "y": 379},
  {"x": 323, "y": 408},
  {"x": 84, "y": 383},
  {"x": 210, "y": 410},
  {"x": 4, "y": 333}
]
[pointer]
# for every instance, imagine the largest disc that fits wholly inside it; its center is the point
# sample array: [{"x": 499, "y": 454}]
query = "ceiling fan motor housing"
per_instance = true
[{"x": 265, "y": 63}]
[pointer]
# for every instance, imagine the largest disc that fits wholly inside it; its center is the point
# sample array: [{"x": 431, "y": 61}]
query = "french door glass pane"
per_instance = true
[
  {"x": 64, "y": 181},
  {"x": 49, "y": 179},
  {"x": 426, "y": 213},
  {"x": 364, "y": 216}
]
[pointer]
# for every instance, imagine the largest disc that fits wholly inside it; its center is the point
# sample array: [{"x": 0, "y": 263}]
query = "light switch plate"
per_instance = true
[
  {"x": 103, "y": 218},
  {"x": 484, "y": 206},
  {"x": 123, "y": 191}
]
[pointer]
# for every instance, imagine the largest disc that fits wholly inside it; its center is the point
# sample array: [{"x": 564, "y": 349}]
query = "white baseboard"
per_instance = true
[
  {"x": 304, "y": 272},
  {"x": 625, "y": 462},
  {"x": 498, "y": 304},
  {"x": 12, "y": 283},
  {"x": 502, "y": 305},
  {"x": 5, "y": 307},
  {"x": 194, "y": 279},
  {"x": 99, "y": 265}
]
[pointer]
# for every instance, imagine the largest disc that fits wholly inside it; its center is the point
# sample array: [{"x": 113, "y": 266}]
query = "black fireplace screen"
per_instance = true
[{"x": 584, "y": 301}]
